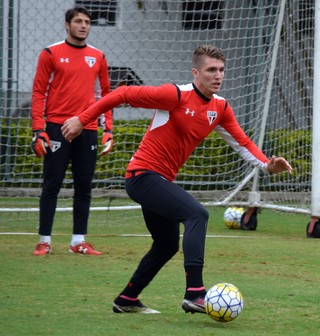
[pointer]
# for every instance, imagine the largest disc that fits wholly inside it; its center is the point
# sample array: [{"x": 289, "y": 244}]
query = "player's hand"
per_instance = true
[
  {"x": 40, "y": 142},
  {"x": 71, "y": 128},
  {"x": 277, "y": 165},
  {"x": 107, "y": 142}
]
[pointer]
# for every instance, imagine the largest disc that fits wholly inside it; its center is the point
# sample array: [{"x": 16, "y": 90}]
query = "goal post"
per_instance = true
[
  {"x": 315, "y": 199},
  {"x": 271, "y": 51}
]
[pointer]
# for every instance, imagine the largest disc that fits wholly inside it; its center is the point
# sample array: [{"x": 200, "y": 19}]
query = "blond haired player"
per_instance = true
[{"x": 185, "y": 115}]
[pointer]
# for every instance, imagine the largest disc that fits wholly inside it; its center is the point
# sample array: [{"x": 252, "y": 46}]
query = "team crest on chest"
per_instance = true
[
  {"x": 91, "y": 61},
  {"x": 212, "y": 116}
]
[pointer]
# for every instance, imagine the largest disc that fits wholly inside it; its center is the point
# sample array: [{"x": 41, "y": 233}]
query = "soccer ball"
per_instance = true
[
  {"x": 223, "y": 302},
  {"x": 232, "y": 218}
]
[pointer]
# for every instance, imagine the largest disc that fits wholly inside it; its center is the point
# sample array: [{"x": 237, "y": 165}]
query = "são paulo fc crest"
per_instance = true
[
  {"x": 212, "y": 116},
  {"x": 91, "y": 61},
  {"x": 54, "y": 145}
]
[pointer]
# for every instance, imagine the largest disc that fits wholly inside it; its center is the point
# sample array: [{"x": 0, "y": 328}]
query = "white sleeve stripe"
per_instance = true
[{"x": 247, "y": 155}]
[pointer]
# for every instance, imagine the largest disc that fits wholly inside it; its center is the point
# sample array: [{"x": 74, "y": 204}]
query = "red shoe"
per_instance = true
[
  {"x": 42, "y": 249},
  {"x": 84, "y": 248}
]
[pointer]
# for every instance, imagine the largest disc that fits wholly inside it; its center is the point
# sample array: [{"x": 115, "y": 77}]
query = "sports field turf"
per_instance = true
[{"x": 276, "y": 268}]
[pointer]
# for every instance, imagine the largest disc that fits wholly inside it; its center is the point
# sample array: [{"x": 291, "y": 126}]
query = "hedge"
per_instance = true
[{"x": 209, "y": 159}]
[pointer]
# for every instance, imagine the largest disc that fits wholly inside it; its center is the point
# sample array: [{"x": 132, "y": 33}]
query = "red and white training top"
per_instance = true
[
  {"x": 182, "y": 120},
  {"x": 68, "y": 80}
]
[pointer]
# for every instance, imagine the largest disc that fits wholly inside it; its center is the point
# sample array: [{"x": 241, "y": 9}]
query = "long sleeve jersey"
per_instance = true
[
  {"x": 184, "y": 117},
  {"x": 68, "y": 80}
]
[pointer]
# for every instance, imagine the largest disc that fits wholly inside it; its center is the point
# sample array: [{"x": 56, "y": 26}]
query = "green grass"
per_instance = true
[{"x": 275, "y": 267}]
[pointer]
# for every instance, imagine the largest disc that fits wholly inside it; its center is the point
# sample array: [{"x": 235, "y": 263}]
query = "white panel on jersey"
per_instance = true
[
  {"x": 159, "y": 119},
  {"x": 248, "y": 156},
  {"x": 186, "y": 87}
]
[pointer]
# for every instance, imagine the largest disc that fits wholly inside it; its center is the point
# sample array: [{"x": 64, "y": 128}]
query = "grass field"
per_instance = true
[{"x": 276, "y": 268}]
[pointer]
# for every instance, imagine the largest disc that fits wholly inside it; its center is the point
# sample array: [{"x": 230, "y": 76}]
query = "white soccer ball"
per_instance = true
[
  {"x": 223, "y": 302},
  {"x": 232, "y": 217}
]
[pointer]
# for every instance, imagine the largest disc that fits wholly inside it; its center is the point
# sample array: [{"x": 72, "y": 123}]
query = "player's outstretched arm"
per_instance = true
[
  {"x": 277, "y": 165},
  {"x": 71, "y": 128}
]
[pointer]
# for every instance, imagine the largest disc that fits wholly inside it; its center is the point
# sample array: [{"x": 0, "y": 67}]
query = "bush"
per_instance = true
[{"x": 20, "y": 166}]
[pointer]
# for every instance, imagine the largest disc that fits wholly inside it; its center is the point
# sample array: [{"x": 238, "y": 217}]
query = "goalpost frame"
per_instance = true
[
  {"x": 315, "y": 189},
  {"x": 266, "y": 21},
  {"x": 254, "y": 196}
]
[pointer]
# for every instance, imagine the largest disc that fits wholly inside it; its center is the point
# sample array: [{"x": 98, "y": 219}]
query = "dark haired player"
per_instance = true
[{"x": 71, "y": 75}]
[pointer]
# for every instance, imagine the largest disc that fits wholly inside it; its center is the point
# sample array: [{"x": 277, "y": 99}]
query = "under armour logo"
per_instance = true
[
  {"x": 83, "y": 249},
  {"x": 64, "y": 60},
  {"x": 190, "y": 112}
]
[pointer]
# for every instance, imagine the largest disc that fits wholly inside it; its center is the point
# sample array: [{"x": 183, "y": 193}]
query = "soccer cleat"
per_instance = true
[
  {"x": 194, "y": 306},
  {"x": 42, "y": 249},
  {"x": 84, "y": 248},
  {"x": 136, "y": 308}
]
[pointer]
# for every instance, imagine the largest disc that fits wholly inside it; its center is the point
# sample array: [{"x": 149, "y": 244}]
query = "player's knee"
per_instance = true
[
  {"x": 202, "y": 213},
  {"x": 199, "y": 219}
]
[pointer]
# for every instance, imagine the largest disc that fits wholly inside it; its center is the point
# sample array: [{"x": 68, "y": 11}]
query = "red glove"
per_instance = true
[
  {"x": 40, "y": 141},
  {"x": 107, "y": 142}
]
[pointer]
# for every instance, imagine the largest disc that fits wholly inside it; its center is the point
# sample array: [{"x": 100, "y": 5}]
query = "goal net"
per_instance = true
[{"x": 268, "y": 82}]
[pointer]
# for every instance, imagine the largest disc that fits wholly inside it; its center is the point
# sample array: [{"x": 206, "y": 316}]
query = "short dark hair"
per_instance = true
[
  {"x": 72, "y": 12},
  {"x": 207, "y": 50}
]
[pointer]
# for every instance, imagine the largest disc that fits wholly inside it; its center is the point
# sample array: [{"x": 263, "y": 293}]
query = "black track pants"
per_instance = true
[
  {"x": 165, "y": 205},
  {"x": 82, "y": 153}
]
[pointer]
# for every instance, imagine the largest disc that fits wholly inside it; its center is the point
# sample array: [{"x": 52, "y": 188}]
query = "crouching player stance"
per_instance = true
[{"x": 185, "y": 115}]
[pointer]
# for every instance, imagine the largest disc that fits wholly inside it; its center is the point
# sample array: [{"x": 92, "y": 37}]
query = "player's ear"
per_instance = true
[
  {"x": 194, "y": 72},
  {"x": 67, "y": 26}
]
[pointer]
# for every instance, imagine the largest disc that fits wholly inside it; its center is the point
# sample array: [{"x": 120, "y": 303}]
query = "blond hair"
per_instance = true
[{"x": 206, "y": 50}]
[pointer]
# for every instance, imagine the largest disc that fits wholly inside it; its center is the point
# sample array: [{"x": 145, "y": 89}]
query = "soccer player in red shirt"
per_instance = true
[
  {"x": 71, "y": 75},
  {"x": 185, "y": 115}
]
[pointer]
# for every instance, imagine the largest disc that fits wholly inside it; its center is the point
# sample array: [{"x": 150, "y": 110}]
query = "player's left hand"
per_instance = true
[
  {"x": 277, "y": 165},
  {"x": 107, "y": 142}
]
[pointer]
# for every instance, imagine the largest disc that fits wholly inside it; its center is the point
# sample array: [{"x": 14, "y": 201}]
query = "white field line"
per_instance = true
[{"x": 121, "y": 235}]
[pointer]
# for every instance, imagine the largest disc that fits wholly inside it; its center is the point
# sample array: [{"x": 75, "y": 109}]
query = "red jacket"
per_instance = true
[
  {"x": 183, "y": 119},
  {"x": 68, "y": 80}
]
